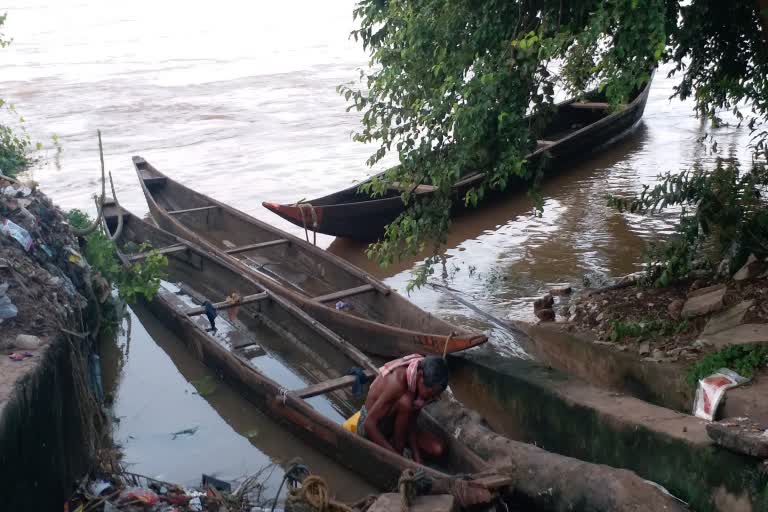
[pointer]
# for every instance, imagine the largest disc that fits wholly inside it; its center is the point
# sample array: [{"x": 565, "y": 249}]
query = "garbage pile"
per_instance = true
[
  {"x": 41, "y": 270},
  {"x": 131, "y": 492}
]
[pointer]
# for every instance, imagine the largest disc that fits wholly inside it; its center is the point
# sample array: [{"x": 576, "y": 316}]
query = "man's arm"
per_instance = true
[
  {"x": 413, "y": 439},
  {"x": 390, "y": 394}
]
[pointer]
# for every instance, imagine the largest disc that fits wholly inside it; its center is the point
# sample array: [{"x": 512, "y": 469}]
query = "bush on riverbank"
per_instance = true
[
  {"x": 724, "y": 219},
  {"x": 142, "y": 279},
  {"x": 15, "y": 144}
]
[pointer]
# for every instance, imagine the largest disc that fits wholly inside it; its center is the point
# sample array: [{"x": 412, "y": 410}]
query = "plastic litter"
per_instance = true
[
  {"x": 195, "y": 505},
  {"x": 139, "y": 494},
  {"x": 99, "y": 486},
  {"x": 16, "y": 356},
  {"x": 185, "y": 432},
  {"x": 7, "y": 309},
  {"x": 711, "y": 391},
  {"x": 17, "y": 191},
  {"x": 28, "y": 342},
  {"x": 343, "y": 306},
  {"x": 21, "y": 235}
]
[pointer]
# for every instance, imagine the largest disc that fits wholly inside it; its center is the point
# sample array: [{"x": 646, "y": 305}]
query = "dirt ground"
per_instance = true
[{"x": 596, "y": 312}]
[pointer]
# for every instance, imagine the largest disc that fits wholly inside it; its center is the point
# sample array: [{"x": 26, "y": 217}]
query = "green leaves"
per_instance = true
[
  {"x": 141, "y": 279},
  {"x": 458, "y": 87},
  {"x": 724, "y": 216}
]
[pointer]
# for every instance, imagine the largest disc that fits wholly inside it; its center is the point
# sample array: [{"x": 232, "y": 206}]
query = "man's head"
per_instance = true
[{"x": 434, "y": 373}]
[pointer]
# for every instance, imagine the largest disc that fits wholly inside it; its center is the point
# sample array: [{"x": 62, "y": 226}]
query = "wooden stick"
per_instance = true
[
  {"x": 176, "y": 212},
  {"x": 226, "y": 304},
  {"x": 262, "y": 245},
  {"x": 344, "y": 293},
  {"x": 164, "y": 250},
  {"x": 327, "y": 386}
]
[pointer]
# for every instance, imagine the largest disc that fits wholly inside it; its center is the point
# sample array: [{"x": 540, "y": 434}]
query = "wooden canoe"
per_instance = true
[
  {"x": 577, "y": 129},
  {"x": 381, "y": 322},
  {"x": 195, "y": 268}
]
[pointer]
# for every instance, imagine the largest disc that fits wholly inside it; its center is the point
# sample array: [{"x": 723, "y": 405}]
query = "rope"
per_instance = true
[
  {"x": 406, "y": 485},
  {"x": 294, "y": 475},
  {"x": 119, "y": 229},
  {"x": 304, "y": 221},
  {"x": 447, "y": 340}
]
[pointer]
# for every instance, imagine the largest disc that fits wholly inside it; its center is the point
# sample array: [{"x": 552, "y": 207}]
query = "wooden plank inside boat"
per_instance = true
[
  {"x": 322, "y": 388},
  {"x": 251, "y": 247},
  {"x": 189, "y": 210},
  {"x": 590, "y": 105},
  {"x": 344, "y": 293},
  {"x": 226, "y": 304},
  {"x": 165, "y": 250}
]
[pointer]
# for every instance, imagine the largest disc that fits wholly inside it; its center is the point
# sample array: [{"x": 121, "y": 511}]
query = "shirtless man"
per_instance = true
[
  {"x": 388, "y": 418},
  {"x": 402, "y": 388}
]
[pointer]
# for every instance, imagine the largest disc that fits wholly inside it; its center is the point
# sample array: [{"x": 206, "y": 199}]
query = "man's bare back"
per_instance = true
[{"x": 392, "y": 410}]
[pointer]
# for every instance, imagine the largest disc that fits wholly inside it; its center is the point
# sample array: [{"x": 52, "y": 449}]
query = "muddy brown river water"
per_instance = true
[{"x": 237, "y": 99}]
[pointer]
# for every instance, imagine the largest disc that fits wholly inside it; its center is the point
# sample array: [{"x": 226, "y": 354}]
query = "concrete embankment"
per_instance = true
[{"x": 562, "y": 414}]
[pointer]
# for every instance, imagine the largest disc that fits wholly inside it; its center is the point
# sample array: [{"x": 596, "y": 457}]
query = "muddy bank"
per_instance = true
[
  {"x": 51, "y": 421},
  {"x": 531, "y": 403}
]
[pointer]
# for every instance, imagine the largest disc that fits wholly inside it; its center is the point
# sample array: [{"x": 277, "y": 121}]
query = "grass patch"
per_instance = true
[
  {"x": 649, "y": 329},
  {"x": 743, "y": 359}
]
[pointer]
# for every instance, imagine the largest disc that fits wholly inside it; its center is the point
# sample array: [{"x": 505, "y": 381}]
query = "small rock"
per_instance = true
[
  {"x": 675, "y": 308},
  {"x": 545, "y": 302},
  {"x": 658, "y": 354},
  {"x": 644, "y": 349},
  {"x": 695, "y": 285},
  {"x": 600, "y": 317},
  {"x": 639, "y": 295},
  {"x": 724, "y": 267},
  {"x": 703, "y": 301},
  {"x": 595, "y": 280},
  {"x": 545, "y": 315},
  {"x": 561, "y": 290},
  {"x": 27, "y": 342},
  {"x": 729, "y": 318},
  {"x": 573, "y": 318},
  {"x": 750, "y": 270},
  {"x": 700, "y": 344},
  {"x": 741, "y": 334}
]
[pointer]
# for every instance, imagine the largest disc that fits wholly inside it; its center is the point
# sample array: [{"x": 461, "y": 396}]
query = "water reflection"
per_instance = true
[{"x": 160, "y": 392}]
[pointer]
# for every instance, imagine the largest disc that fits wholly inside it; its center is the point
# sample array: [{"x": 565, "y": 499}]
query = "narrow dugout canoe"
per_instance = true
[
  {"x": 381, "y": 322},
  {"x": 204, "y": 274},
  {"x": 577, "y": 129}
]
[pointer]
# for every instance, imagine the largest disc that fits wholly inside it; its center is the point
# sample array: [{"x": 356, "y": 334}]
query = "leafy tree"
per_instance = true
[
  {"x": 462, "y": 86},
  {"x": 15, "y": 145}
]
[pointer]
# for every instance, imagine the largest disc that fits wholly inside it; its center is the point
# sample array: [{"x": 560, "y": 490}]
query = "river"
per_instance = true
[{"x": 237, "y": 99}]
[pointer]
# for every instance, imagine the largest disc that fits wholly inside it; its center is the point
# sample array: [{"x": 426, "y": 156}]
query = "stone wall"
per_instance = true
[{"x": 49, "y": 429}]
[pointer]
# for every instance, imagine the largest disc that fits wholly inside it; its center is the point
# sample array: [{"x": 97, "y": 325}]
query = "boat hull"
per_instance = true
[
  {"x": 351, "y": 214},
  {"x": 381, "y": 323}
]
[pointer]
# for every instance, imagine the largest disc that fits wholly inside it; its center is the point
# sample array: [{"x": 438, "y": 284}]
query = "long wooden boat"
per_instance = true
[
  {"x": 577, "y": 129},
  {"x": 343, "y": 297},
  {"x": 194, "y": 268}
]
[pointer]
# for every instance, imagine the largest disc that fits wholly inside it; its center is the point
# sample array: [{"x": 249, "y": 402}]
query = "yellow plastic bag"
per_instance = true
[{"x": 351, "y": 424}]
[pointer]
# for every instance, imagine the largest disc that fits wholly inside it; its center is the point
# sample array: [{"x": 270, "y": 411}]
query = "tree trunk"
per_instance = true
[{"x": 555, "y": 482}]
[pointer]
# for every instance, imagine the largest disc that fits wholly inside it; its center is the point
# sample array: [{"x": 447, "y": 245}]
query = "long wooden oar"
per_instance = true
[{"x": 454, "y": 294}]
